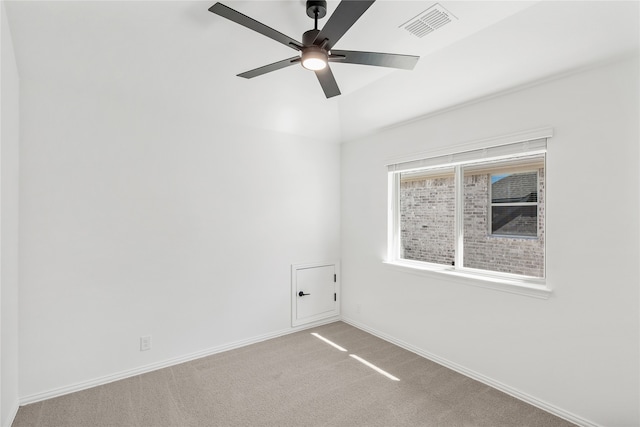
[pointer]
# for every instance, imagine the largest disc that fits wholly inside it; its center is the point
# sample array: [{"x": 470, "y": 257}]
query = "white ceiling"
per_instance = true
[{"x": 178, "y": 53}]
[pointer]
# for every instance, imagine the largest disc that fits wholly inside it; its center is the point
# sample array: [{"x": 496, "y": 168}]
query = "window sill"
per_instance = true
[{"x": 530, "y": 287}]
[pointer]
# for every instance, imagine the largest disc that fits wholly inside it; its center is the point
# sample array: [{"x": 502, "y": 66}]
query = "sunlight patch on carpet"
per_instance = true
[
  {"x": 328, "y": 341},
  {"x": 374, "y": 367}
]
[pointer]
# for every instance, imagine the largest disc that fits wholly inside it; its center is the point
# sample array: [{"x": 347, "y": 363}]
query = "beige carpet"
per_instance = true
[{"x": 295, "y": 380}]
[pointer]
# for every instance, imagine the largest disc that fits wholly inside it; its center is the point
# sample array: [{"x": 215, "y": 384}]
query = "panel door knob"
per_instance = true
[{"x": 301, "y": 294}]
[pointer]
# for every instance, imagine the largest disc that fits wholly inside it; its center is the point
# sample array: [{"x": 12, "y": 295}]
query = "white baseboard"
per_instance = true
[
  {"x": 37, "y": 397},
  {"x": 6, "y": 422},
  {"x": 477, "y": 376},
  {"x": 72, "y": 388}
]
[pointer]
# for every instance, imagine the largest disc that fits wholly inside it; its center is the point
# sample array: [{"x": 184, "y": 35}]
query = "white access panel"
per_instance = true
[{"x": 314, "y": 292}]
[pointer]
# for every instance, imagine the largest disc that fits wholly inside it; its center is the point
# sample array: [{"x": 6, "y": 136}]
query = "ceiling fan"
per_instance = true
[{"x": 316, "y": 50}]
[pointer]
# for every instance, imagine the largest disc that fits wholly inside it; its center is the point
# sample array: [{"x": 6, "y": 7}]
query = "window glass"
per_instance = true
[
  {"x": 514, "y": 220},
  {"x": 514, "y": 187},
  {"x": 427, "y": 216}
]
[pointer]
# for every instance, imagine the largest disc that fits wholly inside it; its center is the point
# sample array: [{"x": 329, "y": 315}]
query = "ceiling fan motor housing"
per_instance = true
[
  {"x": 316, "y": 6},
  {"x": 308, "y": 37}
]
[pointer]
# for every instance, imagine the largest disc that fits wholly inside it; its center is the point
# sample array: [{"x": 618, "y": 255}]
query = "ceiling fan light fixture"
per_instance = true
[{"x": 314, "y": 58}]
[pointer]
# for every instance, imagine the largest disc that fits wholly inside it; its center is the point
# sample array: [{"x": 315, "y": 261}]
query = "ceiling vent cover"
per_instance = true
[{"x": 428, "y": 21}]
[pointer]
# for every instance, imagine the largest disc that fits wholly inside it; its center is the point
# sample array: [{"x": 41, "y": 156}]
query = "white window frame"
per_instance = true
[{"x": 526, "y": 144}]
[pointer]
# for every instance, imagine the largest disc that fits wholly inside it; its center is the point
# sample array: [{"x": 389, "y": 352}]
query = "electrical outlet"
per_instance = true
[{"x": 145, "y": 343}]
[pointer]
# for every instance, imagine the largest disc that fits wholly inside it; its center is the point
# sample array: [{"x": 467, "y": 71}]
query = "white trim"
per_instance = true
[
  {"x": 530, "y": 287},
  {"x": 393, "y": 222},
  {"x": 527, "y": 398},
  {"x": 83, "y": 385},
  {"x": 12, "y": 414},
  {"x": 479, "y": 144},
  {"x": 37, "y": 397},
  {"x": 302, "y": 266},
  {"x": 458, "y": 227},
  {"x": 294, "y": 287}
]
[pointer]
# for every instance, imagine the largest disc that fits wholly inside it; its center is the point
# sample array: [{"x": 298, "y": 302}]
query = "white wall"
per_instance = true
[
  {"x": 140, "y": 216},
  {"x": 577, "y": 352},
  {"x": 9, "y": 124}
]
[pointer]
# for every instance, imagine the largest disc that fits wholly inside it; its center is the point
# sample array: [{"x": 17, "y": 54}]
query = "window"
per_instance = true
[
  {"x": 476, "y": 212},
  {"x": 514, "y": 204}
]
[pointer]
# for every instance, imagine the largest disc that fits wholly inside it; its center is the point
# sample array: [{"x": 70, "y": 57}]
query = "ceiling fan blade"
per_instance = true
[
  {"x": 392, "y": 60},
  {"x": 345, "y": 15},
  {"x": 328, "y": 82},
  {"x": 252, "y": 24},
  {"x": 269, "y": 68}
]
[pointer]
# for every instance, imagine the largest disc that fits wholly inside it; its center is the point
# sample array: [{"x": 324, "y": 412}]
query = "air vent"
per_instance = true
[{"x": 428, "y": 21}]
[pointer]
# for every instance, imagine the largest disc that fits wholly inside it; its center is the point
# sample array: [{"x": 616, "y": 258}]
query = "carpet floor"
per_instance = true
[{"x": 294, "y": 380}]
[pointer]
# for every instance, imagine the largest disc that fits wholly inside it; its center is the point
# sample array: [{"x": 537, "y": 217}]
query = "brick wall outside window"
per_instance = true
[
  {"x": 427, "y": 220},
  {"x": 427, "y": 227}
]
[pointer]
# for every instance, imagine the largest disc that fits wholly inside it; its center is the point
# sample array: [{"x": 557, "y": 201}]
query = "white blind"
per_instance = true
[{"x": 499, "y": 152}]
